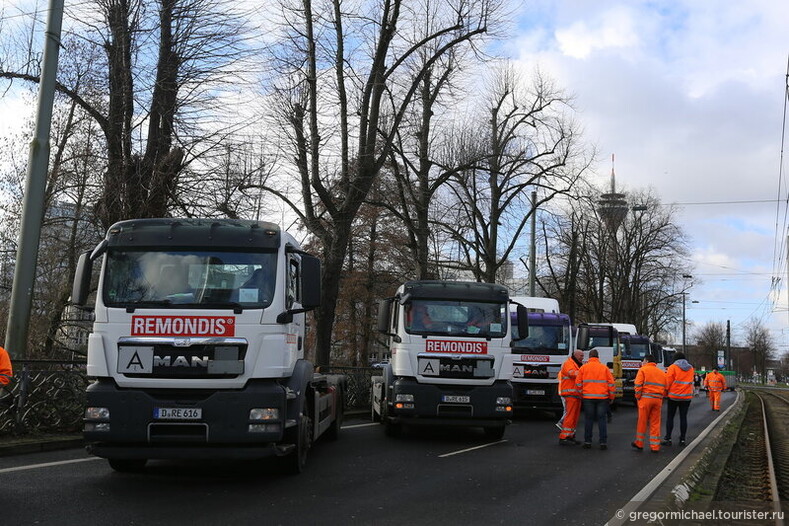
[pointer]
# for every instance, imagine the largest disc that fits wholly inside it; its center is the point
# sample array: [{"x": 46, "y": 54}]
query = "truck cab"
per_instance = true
[
  {"x": 537, "y": 357},
  {"x": 197, "y": 349},
  {"x": 447, "y": 342}
]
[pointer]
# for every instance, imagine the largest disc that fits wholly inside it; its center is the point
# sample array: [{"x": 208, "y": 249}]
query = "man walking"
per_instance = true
[
  {"x": 571, "y": 397},
  {"x": 650, "y": 388},
  {"x": 715, "y": 384},
  {"x": 596, "y": 384},
  {"x": 679, "y": 383}
]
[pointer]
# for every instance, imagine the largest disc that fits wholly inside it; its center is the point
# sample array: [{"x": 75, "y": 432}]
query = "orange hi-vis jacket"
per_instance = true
[
  {"x": 567, "y": 375},
  {"x": 5, "y": 368},
  {"x": 714, "y": 381},
  {"x": 679, "y": 383},
  {"x": 650, "y": 382},
  {"x": 595, "y": 381}
]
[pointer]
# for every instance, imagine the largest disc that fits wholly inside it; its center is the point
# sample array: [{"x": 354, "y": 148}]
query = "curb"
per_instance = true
[
  {"x": 21, "y": 446},
  {"x": 673, "y": 486}
]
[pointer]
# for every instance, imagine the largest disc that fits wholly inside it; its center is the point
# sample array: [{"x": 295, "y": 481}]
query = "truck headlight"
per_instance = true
[
  {"x": 503, "y": 400},
  {"x": 404, "y": 398},
  {"x": 263, "y": 413}
]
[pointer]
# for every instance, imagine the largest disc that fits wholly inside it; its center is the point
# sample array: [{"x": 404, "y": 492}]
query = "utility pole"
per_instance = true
[
  {"x": 533, "y": 250},
  {"x": 35, "y": 186}
]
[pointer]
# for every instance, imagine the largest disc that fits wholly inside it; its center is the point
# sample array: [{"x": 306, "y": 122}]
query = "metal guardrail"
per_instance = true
[
  {"x": 45, "y": 396},
  {"x": 48, "y": 396}
]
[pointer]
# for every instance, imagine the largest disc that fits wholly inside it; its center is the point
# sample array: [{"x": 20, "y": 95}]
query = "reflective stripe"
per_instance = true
[
  {"x": 591, "y": 395},
  {"x": 596, "y": 381},
  {"x": 655, "y": 383},
  {"x": 652, "y": 395}
]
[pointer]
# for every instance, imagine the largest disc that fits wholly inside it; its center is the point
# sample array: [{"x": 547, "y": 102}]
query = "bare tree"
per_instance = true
[
  {"x": 761, "y": 343},
  {"x": 341, "y": 78},
  {"x": 150, "y": 85},
  {"x": 523, "y": 140},
  {"x": 630, "y": 274},
  {"x": 710, "y": 338}
]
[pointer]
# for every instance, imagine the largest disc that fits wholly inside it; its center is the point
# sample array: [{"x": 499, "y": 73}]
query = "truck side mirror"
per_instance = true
[
  {"x": 523, "y": 321},
  {"x": 384, "y": 315},
  {"x": 81, "y": 286},
  {"x": 310, "y": 281}
]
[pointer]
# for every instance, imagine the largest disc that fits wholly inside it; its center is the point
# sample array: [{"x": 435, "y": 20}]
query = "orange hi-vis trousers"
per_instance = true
[
  {"x": 649, "y": 411},
  {"x": 715, "y": 400},
  {"x": 572, "y": 409}
]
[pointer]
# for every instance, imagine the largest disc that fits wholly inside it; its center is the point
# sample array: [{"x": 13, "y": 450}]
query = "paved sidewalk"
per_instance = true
[{"x": 18, "y": 445}]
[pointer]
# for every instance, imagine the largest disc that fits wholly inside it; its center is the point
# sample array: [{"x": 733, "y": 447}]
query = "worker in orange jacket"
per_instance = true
[
  {"x": 596, "y": 385},
  {"x": 679, "y": 384},
  {"x": 650, "y": 388},
  {"x": 6, "y": 373},
  {"x": 571, "y": 397},
  {"x": 715, "y": 384}
]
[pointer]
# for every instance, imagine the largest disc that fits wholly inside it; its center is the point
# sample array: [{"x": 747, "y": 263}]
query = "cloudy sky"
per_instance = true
[{"x": 689, "y": 95}]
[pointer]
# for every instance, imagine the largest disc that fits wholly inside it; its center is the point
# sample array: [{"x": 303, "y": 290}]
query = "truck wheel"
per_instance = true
[
  {"x": 127, "y": 465},
  {"x": 495, "y": 433},
  {"x": 302, "y": 439}
]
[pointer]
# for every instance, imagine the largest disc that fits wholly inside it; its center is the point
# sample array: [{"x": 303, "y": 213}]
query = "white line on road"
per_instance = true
[
  {"x": 48, "y": 464},
  {"x": 361, "y": 425},
  {"x": 470, "y": 449}
]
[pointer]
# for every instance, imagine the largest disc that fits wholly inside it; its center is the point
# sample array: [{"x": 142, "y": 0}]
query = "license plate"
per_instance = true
[
  {"x": 452, "y": 399},
  {"x": 535, "y": 392},
  {"x": 178, "y": 413}
]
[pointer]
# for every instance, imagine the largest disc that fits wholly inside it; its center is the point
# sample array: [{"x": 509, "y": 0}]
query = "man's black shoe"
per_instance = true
[{"x": 640, "y": 448}]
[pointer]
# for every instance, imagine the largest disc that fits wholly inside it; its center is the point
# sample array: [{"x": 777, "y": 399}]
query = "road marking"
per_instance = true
[
  {"x": 361, "y": 425},
  {"x": 470, "y": 449},
  {"x": 48, "y": 464}
]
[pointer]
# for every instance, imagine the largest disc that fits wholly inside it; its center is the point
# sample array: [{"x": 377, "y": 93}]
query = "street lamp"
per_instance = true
[{"x": 684, "y": 300}]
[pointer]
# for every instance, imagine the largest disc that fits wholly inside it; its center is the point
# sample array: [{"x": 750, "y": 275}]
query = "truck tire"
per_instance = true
[
  {"x": 496, "y": 432},
  {"x": 301, "y": 438},
  {"x": 127, "y": 465}
]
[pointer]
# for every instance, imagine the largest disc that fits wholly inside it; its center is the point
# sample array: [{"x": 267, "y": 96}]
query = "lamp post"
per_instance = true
[{"x": 684, "y": 300}]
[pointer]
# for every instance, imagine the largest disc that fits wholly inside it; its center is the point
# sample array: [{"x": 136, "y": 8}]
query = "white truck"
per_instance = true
[
  {"x": 536, "y": 358},
  {"x": 448, "y": 341},
  {"x": 605, "y": 338},
  {"x": 197, "y": 349}
]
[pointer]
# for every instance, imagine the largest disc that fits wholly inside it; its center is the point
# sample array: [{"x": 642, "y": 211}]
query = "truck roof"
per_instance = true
[
  {"x": 455, "y": 290},
  {"x": 226, "y": 233}
]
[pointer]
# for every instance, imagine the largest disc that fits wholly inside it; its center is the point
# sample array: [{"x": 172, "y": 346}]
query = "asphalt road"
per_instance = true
[{"x": 430, "y": 476}]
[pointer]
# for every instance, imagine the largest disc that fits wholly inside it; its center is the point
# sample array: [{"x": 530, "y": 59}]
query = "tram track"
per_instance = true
[{"x": 757, "y": 470}]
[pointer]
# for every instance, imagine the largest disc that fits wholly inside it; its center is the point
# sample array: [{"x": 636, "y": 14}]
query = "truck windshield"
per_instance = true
[
  {"x": 635, "y": 349},
  {"x": 456, "y": 318},
  {"x": 183, "y": 278},
  {"x": 545, "y": 339}
]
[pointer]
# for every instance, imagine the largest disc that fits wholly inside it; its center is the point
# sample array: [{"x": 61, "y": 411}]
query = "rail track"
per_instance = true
[{"x": 756, "y": 475}]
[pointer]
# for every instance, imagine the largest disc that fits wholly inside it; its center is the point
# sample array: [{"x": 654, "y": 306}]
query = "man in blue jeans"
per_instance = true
[{"x": 596, "y": 384}]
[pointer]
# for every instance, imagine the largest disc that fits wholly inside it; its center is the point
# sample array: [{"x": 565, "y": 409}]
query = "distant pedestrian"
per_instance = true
[
  {"x": 696, "y": 384},
  {"x": 571, "y": 397},
  {"x": 715, "y": 384},
  {"x": 6, "y": 374},
  {"x": 596, "y": 385},
  {"x": 679, "y": 384},
  {"x": 650, "y": 388}
]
